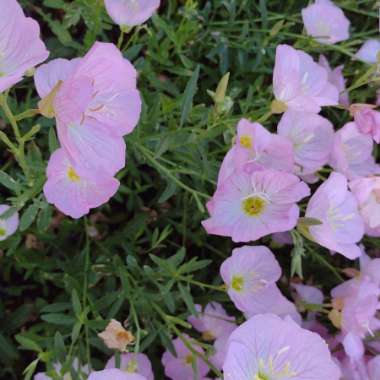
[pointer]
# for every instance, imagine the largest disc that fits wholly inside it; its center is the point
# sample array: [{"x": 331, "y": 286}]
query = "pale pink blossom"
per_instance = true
[
  {"x": 326, "y": 22},
  {"x": 337, "y": 79},
  {"x": 114, "y": 374},
  {"x": 128, "y": 13},
  {"x": 249, "y": 270},
  {"x": 73, "y": 189},
  {"x": 133, "y": 363},
  {"x": 336, "y": 208},
  {"x": 369, "y": 51},
  {"x": 116, "y": 337},
  {"x": 309, "y": 294},
  {"x": 268, "y": 347},
  {"x": 367, "y": 193},
  {"x": 367, "y": 120},
  {"x": 255, "y": 149},
  {"x": 213, "y": 321},
  {"x": 220, "y": 349},
  {"x": 249, "y": 206},
  {"x": 185, "y": 364},
  {"x": 8, "y": 226},
  {"x": 20, "y": 45},
  {"x": 299, "y": 83},
  {"x": 312, "y": 137},
  {"x": 352, "y": 153},
  {"x": 374, "y": 368}
]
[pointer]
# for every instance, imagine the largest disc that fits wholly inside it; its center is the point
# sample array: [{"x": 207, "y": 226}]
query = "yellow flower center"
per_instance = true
[
  {"x": 237, "y": 283},
  {"x": 261, "y": 376},
  {"x": 254, "y": 206},
  {"x": 73, "y": 176},
  {"x": 246, "y": 141},
  {"x": 3, "y": 232},
  {"x": 189, "y": 359},
  {"x": 132, "y": 366}
]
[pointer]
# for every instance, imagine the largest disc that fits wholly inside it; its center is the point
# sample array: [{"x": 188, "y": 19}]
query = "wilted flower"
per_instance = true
[
  {"x": 116, "y": 337},
  {"x": 213, "y": 322},
  {"x": 312, "y": 137},
  {"x": 268, "y": 347},
  {"x": 127, "y": 13},
  {"x": 326, "y": 22},
  {"x": 337, "y": 79},
  {"x": 367, "y": 193},
  {"x": 8, "y": 226},
  {"x": 352, "y": 153},
  {"x": 74, "y": 190},
  {"x": 250, "y": 206},
  {"x": 133, "y": 363},
  {"x": 114, "y": 374},
  {"x": 369, "y": 51},
  {"x": 256, "y": 148},
  {"x": 182, "y": 366},
  {"x": 367, "y": 119},
  {"x": 299, "y": 83},
  {"x": 21, "y": 46},
  {"x": 341, "y": 225}
]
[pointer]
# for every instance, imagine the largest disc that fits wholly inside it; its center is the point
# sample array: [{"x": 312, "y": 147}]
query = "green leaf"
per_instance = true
[
  {"x": 188, "y": 96},
  {"x": 77, "y": 307},
  {"x": 44, "y": 218},
  {"x": 53, "y": 141},
  {"x": 186, "y": 296},
  {"x": 27, "y": 343},
  {"x": 58, "y": 319},
  {"x": 28, "y": 216},
  {"x": 8, "y": 182}
]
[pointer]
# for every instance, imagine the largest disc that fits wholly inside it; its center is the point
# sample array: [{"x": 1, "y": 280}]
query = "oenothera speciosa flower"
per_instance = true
[
  {"x": 367, "y": 120},
  {"x": 249, "y": 206},
  {"x": 312, "y": 137},
  {"x": 299, "y": 83},
  {"x": 128, "y": 13},
  {"x": 352, "y": 153},
  {"x": 20, "y": 45},
  {"x": 256, "y": 148},
  {"x": 185, "y": 364},
  {"x": 95, "y": 102},
  {"x": 133, "y": 363},
  {"x": 369, "y": 51},
  {"x": 114, "y": 374},
  {"x": 267, "y": 347},
  {"x": 336, "y": 208},
  {"x": 367, "y": 193},
  {"x": 250, "y": 275},
  {"x": 8, "y": 226},
  {"x": 326, "y": 22}
]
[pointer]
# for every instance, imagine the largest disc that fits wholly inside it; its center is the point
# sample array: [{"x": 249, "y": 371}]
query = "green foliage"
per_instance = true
[{"x": 144, "y": 257}]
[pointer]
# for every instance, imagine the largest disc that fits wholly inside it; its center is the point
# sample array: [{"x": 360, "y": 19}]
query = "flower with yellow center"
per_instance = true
[{"x": 254, "y": 205}]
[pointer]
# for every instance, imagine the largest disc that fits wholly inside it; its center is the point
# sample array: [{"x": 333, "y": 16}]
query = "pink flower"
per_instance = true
[
  {"x": 369, "y": 51},
  {"x": 8, "y": 226},
  {"x": 21, "y": 46},
  {"x": 299, "y": 83},
  {"x": 370, "y": 268},
  {"x": 220, "y": 350},
  {"x": 181, "y": 367},
  {"x": 213, "y": 322},
  {"x": 357, "y": 302},
  {"x": 336, "y": 78},
  {"x": 309, "y": 294},
  {"x": 247, "y": 272},
  {"x": 367, "y": 119},
  {"x": 256, "y": 148},
  {"x": 352, "y": 153},
  {"x": 133, "y": 363},
  {"x": 374, "y": 368},
  {"x": 326, "y": 22},
  {"x": 312, "y": 137},
  {"x": 249, "y": 206},
  {"x": 336, "y": 208},
  {"x": 73, "y": 189},
  {"x": 114, "y": 374},
  {"x": 131, "y": 12},
  {"x": 367, "y": 194},
  {"x": 268, "y": 347}
]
